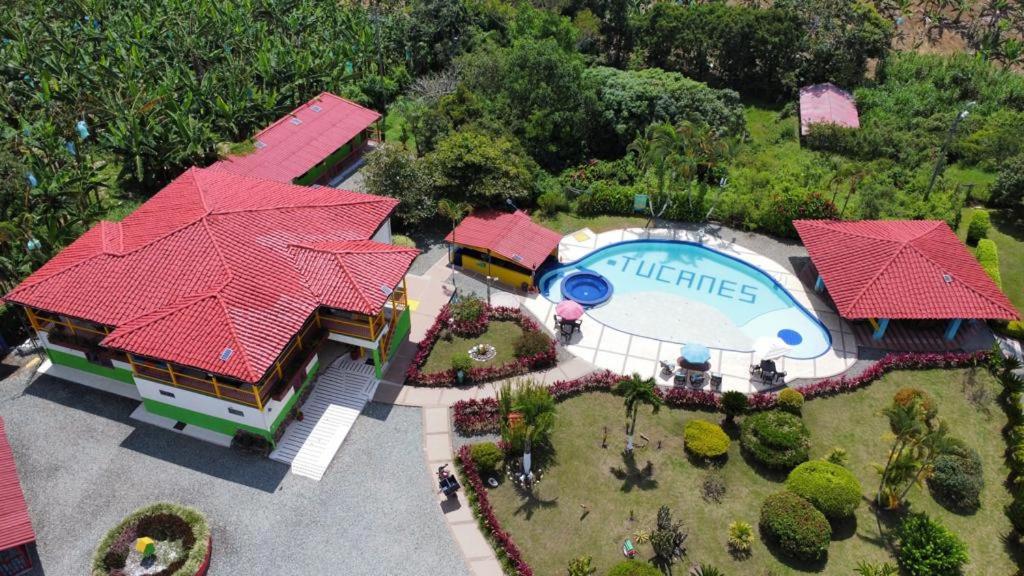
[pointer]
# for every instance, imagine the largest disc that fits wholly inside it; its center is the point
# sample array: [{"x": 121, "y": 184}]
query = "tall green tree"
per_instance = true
[{"x": 637, "y": 391}]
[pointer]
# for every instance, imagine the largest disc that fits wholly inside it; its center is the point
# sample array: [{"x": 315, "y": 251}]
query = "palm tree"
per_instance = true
[
  {"x": 533, "y": 408},
  {"x": 660, "y": 149},
  {"x": 454, "y": 211},
  {"x": 637, "y": 391}
]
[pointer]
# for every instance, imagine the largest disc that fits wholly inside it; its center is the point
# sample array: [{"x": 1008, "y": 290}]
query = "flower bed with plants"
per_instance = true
[
  {"x": 471, "y": 327},
  {"x": 508, "y": 552},
  {"x": 182, "y": 543},
  {"x": 476, "y": 417}
]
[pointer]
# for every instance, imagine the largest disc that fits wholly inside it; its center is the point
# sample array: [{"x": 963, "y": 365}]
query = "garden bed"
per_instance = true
[
  {"x": 182, "y": 544},
  {"x": 454, "y": 333},
  {"x": 589, "y": 494}
]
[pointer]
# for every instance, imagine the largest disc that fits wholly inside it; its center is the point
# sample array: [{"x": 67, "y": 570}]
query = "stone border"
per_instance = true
[{"x": 626, "y": 353}]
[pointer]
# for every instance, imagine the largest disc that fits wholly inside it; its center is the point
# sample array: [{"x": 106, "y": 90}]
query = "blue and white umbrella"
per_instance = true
[{"x": 695, "y": 353}]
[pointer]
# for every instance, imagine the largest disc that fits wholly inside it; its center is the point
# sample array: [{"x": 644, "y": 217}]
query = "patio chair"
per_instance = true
[
  {"x": 666, "y": 368},
  {"x": 567, "y": 329},
  {"x": 716, "y": 381},
  {"x": 679, "y": 377},
  {"x": 697, "y": 379}
]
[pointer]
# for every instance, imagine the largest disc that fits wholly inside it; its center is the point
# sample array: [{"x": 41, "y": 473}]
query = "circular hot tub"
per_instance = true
[{"x": 586, "y": 287}]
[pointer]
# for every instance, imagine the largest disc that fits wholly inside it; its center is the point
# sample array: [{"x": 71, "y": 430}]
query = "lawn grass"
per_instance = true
[
  {"x": 980, "y": 179},
  {"x": 565, "y": 222},
  {"x": 1009, "y": 239},
  {"x": 552, "y": 528},
  {"x": 396, "y": 126},
  {"x": 502, "y": 335}
]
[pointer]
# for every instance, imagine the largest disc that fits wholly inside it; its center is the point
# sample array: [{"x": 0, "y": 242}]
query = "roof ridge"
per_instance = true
[
  {"x": 160, "y": 313},
  {"x": 374, "y": 247},
  {"x": 359, "y": 291},
  {"x": 220, "y": 253},
  {"x": 297, "y": 206},
  {"x": 234, "y": 337},
  {"x": 202, "y": 191}
]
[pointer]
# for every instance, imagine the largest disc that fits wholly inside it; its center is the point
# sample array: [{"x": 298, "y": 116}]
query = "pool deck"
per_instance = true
[{"x": 626, "y": 353}]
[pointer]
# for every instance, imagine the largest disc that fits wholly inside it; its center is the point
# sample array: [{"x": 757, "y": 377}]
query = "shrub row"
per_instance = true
[
  {"x": 1012, "y": 392},
  {"x": 416, "y": 377},
  {"x": 978, "y": 227},
  {"x": 475, "y": 417},
  {"x": 988, "y": 257},
  {"x": 481, "y": 504}
]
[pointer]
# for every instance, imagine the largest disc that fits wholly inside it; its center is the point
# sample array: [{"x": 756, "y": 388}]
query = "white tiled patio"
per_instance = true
[{"x": 626, "y": 353}]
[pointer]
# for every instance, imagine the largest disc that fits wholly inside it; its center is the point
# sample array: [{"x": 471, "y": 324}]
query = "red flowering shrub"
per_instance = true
[
  {"x": 481, "y": 504},
  {"x": 475, "y": 417},
  {"x": 515, "y": 367}
]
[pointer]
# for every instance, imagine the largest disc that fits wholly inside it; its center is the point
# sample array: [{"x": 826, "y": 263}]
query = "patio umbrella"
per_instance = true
[
  {"x": 569, "y": 310},
  {"x": 695, "y": 353},
  {"x": 770, "y": 347}
]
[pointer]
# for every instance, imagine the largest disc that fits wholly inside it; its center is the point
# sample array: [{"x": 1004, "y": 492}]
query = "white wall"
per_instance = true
[
  {"x": 201, "y": 403},
  {"x": 384, "y": 234}
]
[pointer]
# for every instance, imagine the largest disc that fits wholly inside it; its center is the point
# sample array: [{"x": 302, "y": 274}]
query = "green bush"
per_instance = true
[
  {"x": 830, "y": 488},
  {"x": 468, "y": 308},
  {"x": 1008, "y": 189},
  {"x": 403, "y": 241},
  {"x": 734, "y": 404},
  {"x": 904, "y": 396},
  {"x": 776, "y": 439},
  {"x": 608, "y": 198},
  {"x": 161, "y": 521},
  {"x": 957, "y": 478},
  {"x": 634, "y": 568},
  {"x": 988, "y": 257},
  {"x": 978, "y": 227},
  {"x": 461, "y": 362},
  {"x": 552, "y": 202},
  {"x": 1013, "y": 329},
  {"x": 705, "y": 439},
  {"x": 791, "y": 401},
  {"x": 795, "y": 526},
  {"x": 926, "y": 548},
  {"x": 531, "y": 343},
  {"x": 487, "y": 457}
]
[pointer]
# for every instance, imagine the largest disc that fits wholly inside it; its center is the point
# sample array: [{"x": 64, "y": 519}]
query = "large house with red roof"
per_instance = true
[
  {"x": 211, "y": 301},
  {"x": 311, "y": 144}
]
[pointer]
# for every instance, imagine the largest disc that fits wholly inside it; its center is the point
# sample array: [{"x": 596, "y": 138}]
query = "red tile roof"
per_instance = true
[
  {"x": 299, "y": 141},
  {"x": 510, "y": 235},
  {"x": 15, "y": 525},
  {"x": 219, "y": 261},
  {"x": 827, "y": 104},
  {"x": 901, "y": 269}
]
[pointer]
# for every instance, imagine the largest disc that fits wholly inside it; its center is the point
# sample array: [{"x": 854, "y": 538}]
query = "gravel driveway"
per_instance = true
[{"x": 84, "y": 465}]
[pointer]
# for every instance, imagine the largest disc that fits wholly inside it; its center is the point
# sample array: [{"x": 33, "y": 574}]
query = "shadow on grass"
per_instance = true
[
  {"x": 633, "y": 476},
  {"x": 797, "y": 564},
  {"x": 1012, "y": 545},
  {"x": 843, "y": 528},
  {"x": 763, "y": 471},
  {"x": 530, "y": 502}
]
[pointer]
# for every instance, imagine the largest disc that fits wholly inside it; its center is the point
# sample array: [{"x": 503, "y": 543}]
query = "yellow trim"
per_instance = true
[
  {"x": 256, "y": 394},
  {"x": 873, "y": 322},
  {"x": 216, "y": 387}
]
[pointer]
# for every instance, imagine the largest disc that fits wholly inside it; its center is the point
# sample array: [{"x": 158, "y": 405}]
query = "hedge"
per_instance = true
[
  {"x": 705, "y": 439},
  {"x": 778, "y": 440},
  {"x": 978, "y": 227},
  {"x": 150, "y": 520},
  {"x": 988, "y": 257},
  {"x": 830, "y": 488},
  {"x": 795, "y": 526}
]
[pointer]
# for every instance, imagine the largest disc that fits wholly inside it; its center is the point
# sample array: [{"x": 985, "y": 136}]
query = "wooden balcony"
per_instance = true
[{"x": 362, "y": 326}]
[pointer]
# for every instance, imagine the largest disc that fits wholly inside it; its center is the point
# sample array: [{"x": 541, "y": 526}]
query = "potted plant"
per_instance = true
[{"x": 461, "y": 363}]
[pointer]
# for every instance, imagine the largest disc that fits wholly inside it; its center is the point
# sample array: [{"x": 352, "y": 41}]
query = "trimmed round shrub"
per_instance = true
[
  {"x": 905, "y": 396},
  {"x": 531, "y": 343},
  {"x": 791, "y": 401},
  {"x": 776, "y": 439},
  {"x": 162, "y": 522},
  {"x": 926, "y": 548},
  {"x": 830, "y": 488},
  {"x": 795, "y": 526},
  {"x": 487, "y": 456},
  {"x": 705, "y": 439},
  {"x": 957, "y": 479},
  {"x": 978, "y": 226},
  {"x": 634, "y": 568}
]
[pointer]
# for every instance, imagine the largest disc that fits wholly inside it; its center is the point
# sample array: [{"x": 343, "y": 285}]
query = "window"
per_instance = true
[
  {"x": 166, "y": 393},
  {"x": 235, "y": 412}
]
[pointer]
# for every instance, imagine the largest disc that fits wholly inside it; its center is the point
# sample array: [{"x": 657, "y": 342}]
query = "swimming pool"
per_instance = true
[{"x": 685, "y": 292}]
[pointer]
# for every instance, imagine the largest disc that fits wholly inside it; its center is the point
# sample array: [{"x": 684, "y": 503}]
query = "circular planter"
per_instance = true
[
  {"x": 183, "y": 542},
  {"x": 587, "y": 288}
]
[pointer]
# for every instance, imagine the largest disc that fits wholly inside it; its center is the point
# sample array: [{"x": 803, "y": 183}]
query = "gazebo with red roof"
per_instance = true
[
  {"x": 882, "y": 270},
  {"x": 312, "y": 143},
  {"x": 16, "y": 533},
  {"x": 506, "y": 245},
  {"x": 827, "y": 104},
  {"x": 210, "y": 302}
]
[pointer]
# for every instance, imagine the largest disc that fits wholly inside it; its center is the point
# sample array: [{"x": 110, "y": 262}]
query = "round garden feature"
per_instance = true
[
  {"x": 587, "y": 288},
  {"x": 161, "y": 539}
]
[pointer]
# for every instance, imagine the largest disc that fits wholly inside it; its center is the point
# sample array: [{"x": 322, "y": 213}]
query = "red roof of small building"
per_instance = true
[
  {"x": 218, "y": 261},
  {"x": 299, "y": 141},
  {"x": 512, "y": 236},
  {"x": 827, "y": 104},
  {"x": 897, "y": 269},
  {"x": 15, "y": 524}
]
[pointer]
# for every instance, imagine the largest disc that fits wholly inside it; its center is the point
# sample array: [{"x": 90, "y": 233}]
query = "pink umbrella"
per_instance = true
[{"x": 569, "y": 310}]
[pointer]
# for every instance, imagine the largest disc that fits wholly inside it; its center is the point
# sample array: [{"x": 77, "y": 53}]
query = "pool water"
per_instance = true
[{"x": 685, "y": 292}]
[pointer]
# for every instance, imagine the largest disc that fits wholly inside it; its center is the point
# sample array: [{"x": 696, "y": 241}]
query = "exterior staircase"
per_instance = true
[{"x": 339, "y": 396}]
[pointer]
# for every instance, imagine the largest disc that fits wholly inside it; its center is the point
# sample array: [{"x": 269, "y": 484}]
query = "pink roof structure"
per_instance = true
[
  {"x": 511, "y": 235},
  {"x": 827, "y": 104},
  {"x": 901, "y": 269},
  {"x": 15, "y": 524},
  {"x": 218, "y": 261},
  {"x": 299, "y": 141}
]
